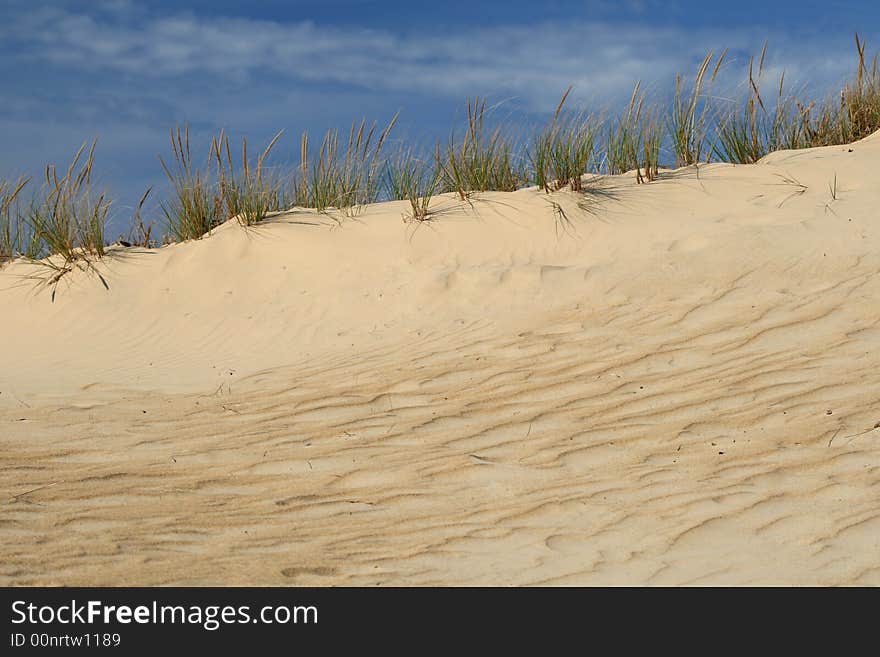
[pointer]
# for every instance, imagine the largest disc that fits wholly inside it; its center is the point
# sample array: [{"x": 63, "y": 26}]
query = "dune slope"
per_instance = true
[{"x": 678, "y": 384}]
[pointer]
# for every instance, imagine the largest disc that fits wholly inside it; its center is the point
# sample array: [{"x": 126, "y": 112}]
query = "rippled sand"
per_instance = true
[{"x": 680, "y": 385}]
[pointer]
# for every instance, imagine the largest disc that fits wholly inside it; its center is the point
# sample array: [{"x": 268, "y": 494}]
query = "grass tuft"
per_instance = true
[
  {"x": 65, "y": 218},
  {"x": 690, "y": 112},
  {"x": 857, "y": 112},
  {"x": 485, "y": 160},
  {"x": 633, "y": 141},
  {"x": 412, "y": 179},
  {"x": 68, "y": 219},
  {"x": 747, "y": 133},
  {"x": 345, "y": 178},
  {"x": 141, "y": 234},
  {"x": 13, "y": 231},
  {"x": 250, "y": 193},
  {"x": 564, "y": 151},
  {"x": 65, "y": 221},
  {"x": 196, "y": 206}
]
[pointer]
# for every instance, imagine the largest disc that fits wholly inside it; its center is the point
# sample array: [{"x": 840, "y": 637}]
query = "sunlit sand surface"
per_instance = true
[{"x": 680, "y": 386}]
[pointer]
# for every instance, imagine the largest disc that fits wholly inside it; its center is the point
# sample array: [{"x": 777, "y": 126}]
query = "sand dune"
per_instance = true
[{"x": 680, "y": 385}]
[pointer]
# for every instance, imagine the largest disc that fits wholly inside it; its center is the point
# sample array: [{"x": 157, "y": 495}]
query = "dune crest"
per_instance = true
[{"x": 678, "y": 384}]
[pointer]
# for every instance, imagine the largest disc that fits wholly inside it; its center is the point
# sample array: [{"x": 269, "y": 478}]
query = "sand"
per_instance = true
[{"x": 680, "y": 385}]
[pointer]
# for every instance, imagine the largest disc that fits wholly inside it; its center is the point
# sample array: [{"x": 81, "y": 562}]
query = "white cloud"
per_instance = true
[
  {"x": 127, "y": 75},
  {"x": 531, "y": 62}
]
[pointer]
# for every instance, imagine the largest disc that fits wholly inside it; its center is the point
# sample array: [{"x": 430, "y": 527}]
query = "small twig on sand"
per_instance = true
[
  {"x": 834, "y": 436},
  {"x": 862, "y": 433},
  {"x": 34, "y": 490}
]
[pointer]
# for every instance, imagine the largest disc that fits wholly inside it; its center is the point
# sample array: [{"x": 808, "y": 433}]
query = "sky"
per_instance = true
[{"x": 127, "y": 71}]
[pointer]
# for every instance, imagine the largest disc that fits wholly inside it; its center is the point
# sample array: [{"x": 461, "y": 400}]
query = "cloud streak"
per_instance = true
[
  {"x": 530, "y": 62},
  {"x": 128, "y": 74}
]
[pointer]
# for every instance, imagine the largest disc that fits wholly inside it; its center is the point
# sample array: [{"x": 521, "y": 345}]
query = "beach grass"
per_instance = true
[
  {"x": 13, "y": 232},
  {"x": 196, "y": 205},
  {"x": 344, "y": 176},
  {"x": 62, "y": 225},
  {"x": 750, "y": 129},
  {"x": 854, "y": 114},
  {"x": 66, "y": 217},
  {"x": 250, "y": 192},
  {"x": 633, "y": 140},
  {"x": 141, "y": 234},
  {"x": 409, "y": 177},
  {"x": 691, "y": 112},
  {"x": 484, "y": 159},
  {"x": 564, "y": 151}
]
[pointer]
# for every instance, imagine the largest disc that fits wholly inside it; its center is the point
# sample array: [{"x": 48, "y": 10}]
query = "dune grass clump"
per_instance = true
[
  {"x": 747, "y": 132},
  {"x": 68, "y": 218},
  {"x": 250, "y": 193},
  {"x": 689, "y": 121},
  {"x": 564, "y": 151},
  {"x": 855, "y": 115},
  {"x": 197, "y": 205},
  {"x": 141, "y": 234},
  {"x": 13, "y": 231},
  {"x": 633, "y": 141},
  {"x": 753, "y": 129},
  {"x": 203, "y": 198},
  {"x": 414, "y": 179},
  {"x": 861, "y": 100},
  {"x": 484, "y": 160},
  {"x": 63, "y": 225},
  {"x": 650, "y": 141},
  {"x": 622, "y": 138},
  {"x": 342, "y": 178},
  {"x": 743, "y": 133}
]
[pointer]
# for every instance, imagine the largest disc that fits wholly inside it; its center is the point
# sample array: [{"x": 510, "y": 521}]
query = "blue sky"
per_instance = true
[{"x": 127, "y": 71}]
